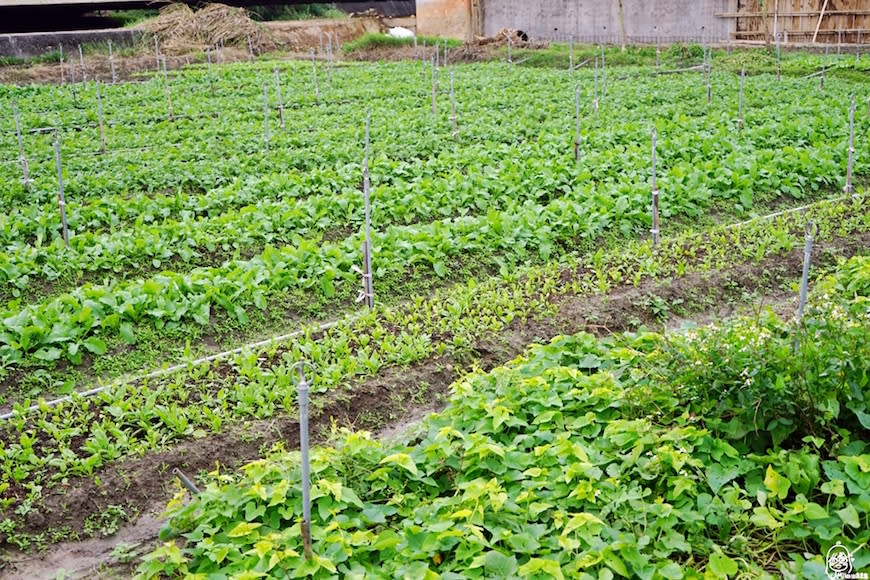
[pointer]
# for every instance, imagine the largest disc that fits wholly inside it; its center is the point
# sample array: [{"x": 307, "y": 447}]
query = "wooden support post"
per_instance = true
[{"x": 819, "y": 23}]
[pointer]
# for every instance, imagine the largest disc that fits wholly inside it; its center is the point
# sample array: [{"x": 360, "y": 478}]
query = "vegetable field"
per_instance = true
[{"x": 207, "y": 210}]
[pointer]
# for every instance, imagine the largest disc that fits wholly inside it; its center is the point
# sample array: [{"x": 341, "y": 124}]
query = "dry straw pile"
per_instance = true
[{"x": 179, "y": 29}]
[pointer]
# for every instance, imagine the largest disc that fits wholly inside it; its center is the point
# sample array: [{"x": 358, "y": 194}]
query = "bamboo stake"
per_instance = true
[
  {"x": 266, "y": 114},
  {"x": 314, "y": 67},
  {"x": 453, "y": 108},
  {"x": 819, "y": 23},
  {"x": 655, "y": 194},
  {"x": 168, "y": 92},
  {"x": 61, "y": 199},
  {"x": 280, "y": 100},
  {"x": 577, "y": 119},
  {"x": 112, "y": 63},
  {"x": 60, "y": 48},
  {"x": 21, "y": 156},
  {"x": 100, "y": 118},
  {"x": 82, "y": 61}
]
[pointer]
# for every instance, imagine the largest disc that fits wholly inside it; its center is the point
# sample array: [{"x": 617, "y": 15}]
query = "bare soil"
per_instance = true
[{"x": 397, "y": 397}]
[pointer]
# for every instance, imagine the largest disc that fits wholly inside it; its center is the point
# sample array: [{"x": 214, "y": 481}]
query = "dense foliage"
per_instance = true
[{"x": 585, "y": 457}]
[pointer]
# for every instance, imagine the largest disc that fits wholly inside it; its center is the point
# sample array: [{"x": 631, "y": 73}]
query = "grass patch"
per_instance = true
[
  {"x": 372, "y": 40},
  {"x": 267, "y": 12}
]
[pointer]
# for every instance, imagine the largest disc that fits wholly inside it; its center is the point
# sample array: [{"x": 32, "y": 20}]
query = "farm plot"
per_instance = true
[
  {"x": 192, "y": 234},
  {"x": 715, "y": 452}
]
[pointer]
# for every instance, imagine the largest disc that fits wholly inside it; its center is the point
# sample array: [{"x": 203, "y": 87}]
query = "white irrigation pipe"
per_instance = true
[
  {"x": 320, "y": 328},
  {"x": 182, "y": 366}
]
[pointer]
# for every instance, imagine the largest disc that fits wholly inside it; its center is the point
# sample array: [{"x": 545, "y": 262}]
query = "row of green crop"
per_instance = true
[
  {"x": 718, "y": 453},
  {"x": 480, "y": 102},
  {"x": 78, "y": 438}
]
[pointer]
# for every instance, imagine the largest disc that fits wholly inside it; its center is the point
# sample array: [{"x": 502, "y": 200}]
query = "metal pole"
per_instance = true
[
  {"x": 61, "y": 200},
  {"x": 22, "y": 158},
  {"x": 571, "y": 56},
  {"x": 302, "y": 388},
  {"x": 810, "y": 232},
  {"x": 858, "y": 48},
  {"x": 510, "y": 60},
  {"x": 168, "y": 91},
  {"x": 848, "y": 188},
  {"x": 740, "y": 101},
  {"x": 434, "y": 89},
  {"x": 82, "y": 62},
  {"x": 185, "y": 481},
  {"x": 603, "y": 74},
  {"x": 416, "y": 52},
  {"x": 210, "y": 75},
  {"x": 266, "y": 114},
  {"x": 655, "y": 194},
  {"x": 280, "y": 100},
  {"x": 707, "y": 67},
  {"x": 778, "y": 59},
  {"x": 595, "y": 97},
  {"x": 314, "y": 67},
  {"x": 60, "y": 48},
  {"x": 453, "y": 108},
  {"x": 100, "y": 118},
  {"x": 157, "y": 53},
  {"x": 250, "y": 49},
  {"x": 112, "y": 63},
  {"x": 577, "y": 118},
  {"x": 445, "y": 52},
  {"x": 369, "y": 283}
]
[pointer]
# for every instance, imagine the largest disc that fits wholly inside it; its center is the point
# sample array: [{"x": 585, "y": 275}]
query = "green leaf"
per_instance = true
[
  {"x": 243, "y": 529},
  {"x": 402, "y": 460},
  {"x": 95, "y": 345},
  {"x": 718, "y": 475},
  {"x": 47, "y": 354},
  {"x": 776, "y": 483},
  {"x": 126, "y": 330},
  {"x": 440, "y": 268},
  {"x": 721, "y": 566},
  {"x": 814, "y": 511},
  {"x": 539, "y": 565},
  {"x": 850, "y": 517},
  {"x": 498, "y": 565}
]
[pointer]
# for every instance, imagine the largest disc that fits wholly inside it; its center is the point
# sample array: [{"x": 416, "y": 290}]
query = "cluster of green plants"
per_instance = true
[
  {"x": 41, "y": 449},
  {"x": 734, "y": 449},
  {"x": 186, "y": 229}
]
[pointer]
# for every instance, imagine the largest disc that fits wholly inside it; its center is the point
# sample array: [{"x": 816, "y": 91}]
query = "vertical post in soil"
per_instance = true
[
  {"x": 810, "y": 232},
  {"x": 157, "y": 53},
  {"x": 571, "y": 56},
  {"x": 858, "y": 48},
  {"x": 329, "y": 61},
  {"x": 658, "y": 58},
  {"x": 266, "y": 114},
  {"x": 709, "y": 75},
  {"x": 168, "y": 92},
  {"x": 603, "y": 74},
  {"x": 423, "y": 55},
  {"x": 848, "y": 188},
  {"x": 21, "y": 157},
  {"x": 577, "y": 122},
  {"x": 595, "y": 96},
  {"x": 100, "y": 119},
  {"x": 72, "y": 76},
  {"x": 824, "y": 67},
  {"x": 60, "y": 61},
  {"x": 434, "y": 90},
  {"x": 250, "y": 49},
  {"x": 778, "y": 59},
  {"x": 655, "y": 194},
  {"x": 210, "y": 75},
  {"x": 510, "y": 60},
  {"x": 61, "y": 200},
  {"x": 302, "y": 391},
  {"x": 437, "y": 55},
  {"x": 839, "y": 41},
  {"x": 740, "y": 101},
  {"x": 445, "y": 52},
  {"x": 367, "y": 276},
  {"x": 82, "y": 62},
  {"x": 280, "y": 100},
  {"x": 415, "y": 46},
  {"x": 453, "y": 108},
  {"x": 314, "y": 67},
  {"x": 112, "y": 63}
]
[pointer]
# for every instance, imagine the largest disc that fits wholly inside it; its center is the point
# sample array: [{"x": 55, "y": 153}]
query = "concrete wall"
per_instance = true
[
  {"x": 451, "y": 18},
  {"x": 598, "y": 20},
  {"x": 37, "y": 43}
]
